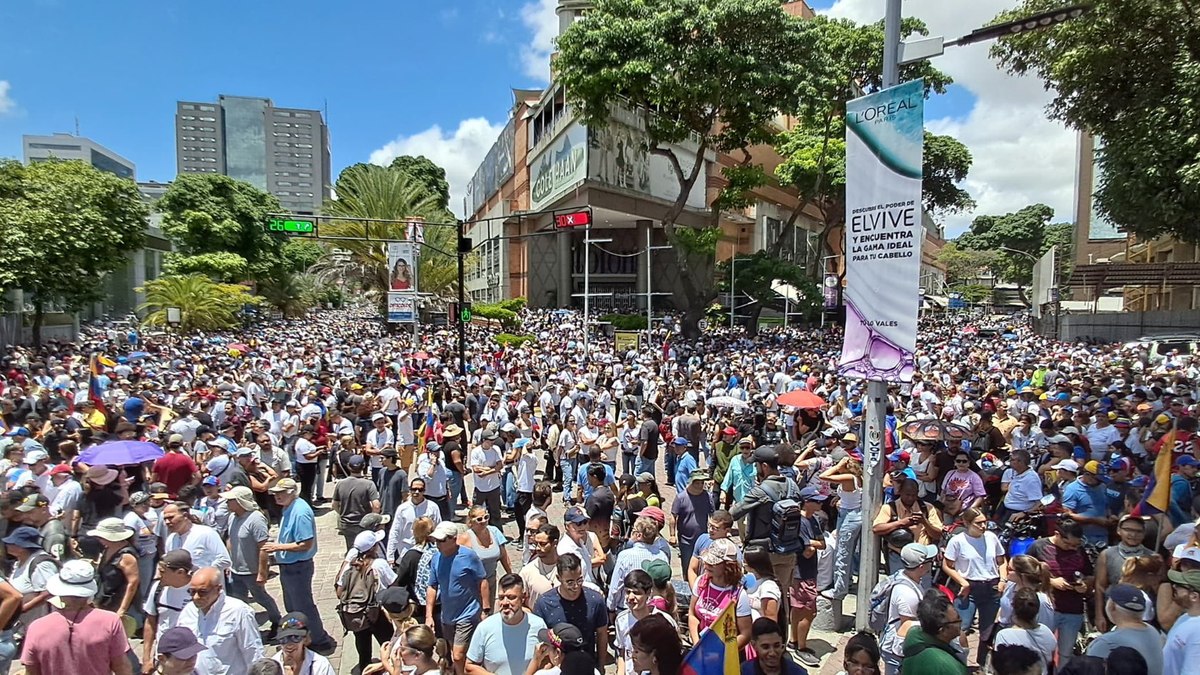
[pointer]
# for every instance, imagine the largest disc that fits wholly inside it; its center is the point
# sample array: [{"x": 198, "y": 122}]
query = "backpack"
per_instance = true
[
  {"x": 881, "y": 600},
  {"x": 664, "y": 431},
  {"x": 357, "y": 607},
  {"x": 787, "y": 515}
]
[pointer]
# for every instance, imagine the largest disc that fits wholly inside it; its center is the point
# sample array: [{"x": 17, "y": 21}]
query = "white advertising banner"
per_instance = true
[
  {"x": 884, "y": 144},
  {"x": 402, "y": 281}
]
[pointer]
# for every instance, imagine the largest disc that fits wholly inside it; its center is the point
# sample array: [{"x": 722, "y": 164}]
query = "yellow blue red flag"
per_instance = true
[{"x": 716, "y": 653}]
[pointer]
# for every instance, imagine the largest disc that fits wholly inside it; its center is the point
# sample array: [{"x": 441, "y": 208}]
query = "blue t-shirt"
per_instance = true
[
  {"x": 684, "y": 466},
  {"x": 297, "y": 524},
  {"x": 582, "y": 481},
  {"x": 1091, "y": 502},
  {"x": 789, "y": 667},
  {"x": 457, "y": 580}
]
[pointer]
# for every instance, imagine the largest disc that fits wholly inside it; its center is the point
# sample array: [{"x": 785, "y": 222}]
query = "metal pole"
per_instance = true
[
  {"x": 462, "y": 327},
  {"x": 876, "y": 407},
  {"x": 737, "y": 238},
  {"x": 587, "y": 285},
  {"x": 649, "y": 283}
]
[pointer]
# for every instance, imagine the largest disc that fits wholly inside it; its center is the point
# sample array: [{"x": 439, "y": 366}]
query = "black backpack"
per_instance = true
[{"x": 787, "y": 515}]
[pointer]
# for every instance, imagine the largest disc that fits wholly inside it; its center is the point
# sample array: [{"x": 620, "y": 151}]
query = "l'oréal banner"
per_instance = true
[
  {"x": 402, "y": 281},
  {"x": 884, "y": 138}
]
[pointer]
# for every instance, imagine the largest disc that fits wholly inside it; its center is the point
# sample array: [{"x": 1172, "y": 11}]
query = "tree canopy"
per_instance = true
[
  {"x": 1014, "y": 241},
  {"x": 218, "y": 226},
  {"x": 65, "y": 225},
  {"x": 753, "y": 277},
  {"x": 1127, "y": 72},
  {"x": 428, "y": 174}
]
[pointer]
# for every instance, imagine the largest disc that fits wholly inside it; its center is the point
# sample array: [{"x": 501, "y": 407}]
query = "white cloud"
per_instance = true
[
  {"x": 459, "y": 153},
  {"x": 7, "y": 104},
  {"x": 1020, "y": 156},
  {"x": 541, "y": 19}
]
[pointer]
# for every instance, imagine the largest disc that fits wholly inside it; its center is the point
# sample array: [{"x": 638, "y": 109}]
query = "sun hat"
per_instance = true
[
  {"x": 283, "y": 485},
  {"x": 75, "y": 579},
  {"x": 101, "y": 475},
  {"x": 111, "y": 529},
  {"x": 180, "y": 642},
  {"x": 25, "y": 537},
  {"x": 1190, "y": 578}
]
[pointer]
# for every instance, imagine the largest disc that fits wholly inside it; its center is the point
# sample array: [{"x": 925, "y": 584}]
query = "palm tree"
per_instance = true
[
  {"x": 387, "y": 195},
  {"x": 292, "y": 294},
  {"x": 204, "y": 304}
]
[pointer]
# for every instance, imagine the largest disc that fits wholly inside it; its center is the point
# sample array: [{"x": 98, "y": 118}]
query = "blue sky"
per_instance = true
[
  {"x": 424, "y": 77},
  {"x": 383, "y": 68}
]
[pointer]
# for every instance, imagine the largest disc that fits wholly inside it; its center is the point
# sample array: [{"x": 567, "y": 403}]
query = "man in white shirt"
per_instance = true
[
  {"x": 225, "y": 625},
  {"x": 902, "y": 603},
  {"x": 305, "y": 458},
  {"x": 1101, "y": 435},
  {"x": 400, "y": 538},
  {"x": 379, "y": 438},
  {"x": 201, "y": 541},
  {"x": 486, "y": 463},
  {"x": 1021, "y": 485}
]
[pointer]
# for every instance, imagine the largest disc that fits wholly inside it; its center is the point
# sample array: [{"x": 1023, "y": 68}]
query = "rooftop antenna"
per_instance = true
[{"x": 77, "y": 125}]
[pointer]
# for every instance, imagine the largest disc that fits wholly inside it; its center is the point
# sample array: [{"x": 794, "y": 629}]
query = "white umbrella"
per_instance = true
[{"x": 727, "y": 402}]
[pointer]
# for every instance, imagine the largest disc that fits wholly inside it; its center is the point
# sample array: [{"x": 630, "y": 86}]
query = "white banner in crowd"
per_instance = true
[
  {"x": 402, "y": 281},
  {"x": 884, "y": 139}
]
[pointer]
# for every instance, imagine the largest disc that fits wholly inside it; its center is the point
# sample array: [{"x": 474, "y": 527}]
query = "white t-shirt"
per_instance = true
[
  {"x": 1040, "y": 640},
  {"x": 526, "y": 468},
  {"x": 975, "y": 557},
  {"x": 1024, "y": 490},
  {"x": 304, "y": 446},
  {"x": 488, "y": 457},
  {"x": 624, "y": 624},
  {"x": 1183, "y": 645},
  {"x": 767, "y": 589}
]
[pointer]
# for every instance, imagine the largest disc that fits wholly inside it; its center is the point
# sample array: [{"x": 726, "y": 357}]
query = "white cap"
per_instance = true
[
  {"x": 1068, "y": 465},
  {"x": 445, "y": 530}
]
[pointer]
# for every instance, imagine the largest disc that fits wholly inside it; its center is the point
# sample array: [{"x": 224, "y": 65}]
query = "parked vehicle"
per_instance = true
[{"x": 1158, "y": 347}]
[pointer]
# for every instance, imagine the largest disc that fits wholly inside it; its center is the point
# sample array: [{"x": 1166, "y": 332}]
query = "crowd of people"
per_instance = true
[{"x": 562, "y": 511}]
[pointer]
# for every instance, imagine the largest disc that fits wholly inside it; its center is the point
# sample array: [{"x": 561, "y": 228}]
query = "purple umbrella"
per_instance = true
[{"x": 120, "y": 453}]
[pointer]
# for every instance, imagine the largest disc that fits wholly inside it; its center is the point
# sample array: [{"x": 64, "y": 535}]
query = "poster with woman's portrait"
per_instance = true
[{"x": 402, "y": 266}]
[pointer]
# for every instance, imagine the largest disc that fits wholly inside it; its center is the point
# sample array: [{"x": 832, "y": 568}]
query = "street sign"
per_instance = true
[
  {"x": 573, "y": 219},
  {"x": 702, "y": 324},
  {"x": 291, "y": 226}
]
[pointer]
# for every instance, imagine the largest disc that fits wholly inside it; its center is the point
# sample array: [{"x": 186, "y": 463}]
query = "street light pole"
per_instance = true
[
  {"x": 649, "y": 283},
  {"x": 587, "y": 284},
  {"x": 737, "y": 239}
]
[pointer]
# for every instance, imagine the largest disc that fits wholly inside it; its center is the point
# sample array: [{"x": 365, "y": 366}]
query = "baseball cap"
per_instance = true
[
  {"x": 179, "y": 642},
  {"x": 18, "y": 431},
  {"x": 645, "y": 477},
  {"x": 445, "y": 530},
  {"x": 809, "y": 493},
  {"x": 283, "y": 485},
  {"x": 1183, "y": 552},
  {"x": 729, "y": 431},
  {"x": 356, "y": 462},
  {"x": 1127, "y": 596},
  {"x": 1190, "y": 578},
  {"x": 563, "y": 636},
  {"x": 720, "y": 551},
  {"x": 699, "y": 474},
  {"x": 139, "y": 498},
  {"x": 1120, "y": 464},
  {"x": 915, "y": 554},
  {"x": 179, "y": 559},
  {"x": 576, "y": 516},
  {"x": 237, "y": 492},
  {"x": 60, "y": 468},
  {"x": 1067, "y": 465},
  {"x": 393, "y": 599},
  {"x": 655, "y": 513},
  {"x": 1067, "y": 431},
  {"x": 767, "y": 454},
  {"x": 659, "y": 571},
  {"x": 1058, "y": 438},
  {"x": 35, "y": 456},
  {"x": 899, "y": 456},
  {"x": 33, "y": 501},
  {"x": 293, "y": 624},
  {"x": 1092, "y": 467},
  {"x": 244, "y": 452},
  {"x": 489, "y": 435},
  {"x": 746, "y": 440},
  {"x": 1186, "y": 460},
  {"x": 373, "y": 521}
]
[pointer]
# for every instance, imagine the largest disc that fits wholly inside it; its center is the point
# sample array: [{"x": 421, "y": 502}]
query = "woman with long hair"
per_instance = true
[
  {"x": 413, "y": 568},
  {"x": 417, "y": 652},
  {"x": 489, "y": 543},
  {"x": 609, "y": 444},
  {"x": 365, "y": 563},
  {"x": 719, "y": 584},
  {"x": 1146, "y": 574},
  {"x": 847, "y": 477},
  {"x": 657, "y": 649},
  {"x": 964, "y": 482},
  {"x": 975, "y": 560},
  {"x": 1026, "y": 571}
]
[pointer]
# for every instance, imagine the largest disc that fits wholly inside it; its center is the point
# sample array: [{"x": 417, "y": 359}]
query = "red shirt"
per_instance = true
[
  {"x": 88, "y": 648},
  {"x": 175, "y": 469}
]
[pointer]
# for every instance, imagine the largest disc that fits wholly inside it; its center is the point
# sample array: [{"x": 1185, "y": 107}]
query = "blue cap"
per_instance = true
[
  {"x": 576, "y": 516},
  {"x": 809, "y": 493},
  {"x": 1187, "y": 460},
  {"x": 521, "y": 442},
  {"x": 680, "y": 440},
  {"x": 212, "y": 480},
  {"x": 24, "y": 537},
  {"x": 18, "y": 431}
]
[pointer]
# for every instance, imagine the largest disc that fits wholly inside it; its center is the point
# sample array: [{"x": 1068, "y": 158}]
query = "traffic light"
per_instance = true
[{"x": 464, "y": 314}]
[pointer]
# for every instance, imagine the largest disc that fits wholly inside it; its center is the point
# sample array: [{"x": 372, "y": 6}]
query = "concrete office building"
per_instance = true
[
  {"x": 284, "y": 151},
  {"x": 62, "y": 146}
]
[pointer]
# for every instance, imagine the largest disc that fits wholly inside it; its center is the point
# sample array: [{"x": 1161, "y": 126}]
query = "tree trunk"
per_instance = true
[
  {"x": 752, "y": 314},
  {"x": 39, "y": 315},
  {"x": 696, "y": 292}
]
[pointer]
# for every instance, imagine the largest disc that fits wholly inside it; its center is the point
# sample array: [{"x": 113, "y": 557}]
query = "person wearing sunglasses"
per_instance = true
[
  {"x": 225, "y": 625},
  {"x": 294, "y": 655}
]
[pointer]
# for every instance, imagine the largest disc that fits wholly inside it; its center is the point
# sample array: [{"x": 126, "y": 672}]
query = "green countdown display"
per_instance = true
[{"x": 291, "y": 226}]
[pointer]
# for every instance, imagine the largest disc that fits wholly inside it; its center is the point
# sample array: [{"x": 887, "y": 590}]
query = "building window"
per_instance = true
[
  {"x": 187, "y": 106},
  {"x": 207, "y": 108},
  {"x": 187, "y": 117},
  {"x": 303, "y": 114}
]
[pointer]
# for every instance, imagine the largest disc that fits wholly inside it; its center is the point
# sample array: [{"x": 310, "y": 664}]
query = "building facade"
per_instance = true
[
  {"x": 68, "y": 147},
  {"x": 284, "y": 151}
]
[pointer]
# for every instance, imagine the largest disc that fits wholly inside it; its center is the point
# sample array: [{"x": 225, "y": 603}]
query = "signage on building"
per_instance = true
[
  {"x": 830, "y": 291},
  {"x": 573, "y": 219},
  {"x": 559, "y": 167},
  {"x": 496, "y": 168}
]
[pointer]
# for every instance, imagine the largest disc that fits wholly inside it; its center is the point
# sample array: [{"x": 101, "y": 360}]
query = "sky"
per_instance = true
[{"x": 420, "y": 77}]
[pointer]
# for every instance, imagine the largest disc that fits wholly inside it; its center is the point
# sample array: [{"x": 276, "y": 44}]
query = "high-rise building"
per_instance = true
[
  {"x": 65, "y": 147},
  {"x": 284, "y": 151}
]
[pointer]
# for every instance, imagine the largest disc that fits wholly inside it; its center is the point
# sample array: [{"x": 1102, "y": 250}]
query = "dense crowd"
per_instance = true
[{"x": 557, "y": 511}]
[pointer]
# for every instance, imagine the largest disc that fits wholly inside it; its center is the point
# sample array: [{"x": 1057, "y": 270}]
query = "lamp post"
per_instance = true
[
  {"x": 649, "y": 283},
  {"x": 895, "y": 54},
  {"x": 587, "y": 285},
  {"x": 733, "y": 278}
]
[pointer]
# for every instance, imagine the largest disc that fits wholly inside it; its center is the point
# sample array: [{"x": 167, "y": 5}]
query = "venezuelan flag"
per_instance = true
[
  {"x": 1157, "y": 497},
  {"x": 425, "y": 432},
  {"x": 95, "y": 370},
  {"x": 716, "y": 653}
]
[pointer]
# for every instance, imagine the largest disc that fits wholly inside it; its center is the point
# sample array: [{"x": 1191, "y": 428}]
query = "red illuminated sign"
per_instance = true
[{"x": 573, "y": 219}]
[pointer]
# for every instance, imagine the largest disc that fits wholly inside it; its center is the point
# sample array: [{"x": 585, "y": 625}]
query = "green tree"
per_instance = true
[
  {"x": 963, "y": 265},
  {"x": 63, "y": 226},
  {"x": 1061, "y": 235},
  {"x": 300, "y": 254},
  {"x": 713, "y": 73},
  {"x": 755, "y": 275},
  {"x": 1127, "y": 72},
  {"x": 427, "y": 173},
  {"x": 204, "y": 304},
  {"x": 212, "y": 214},
  {"x": 344, "y": 177},
  {"x": 292, "y": 294},
  {"x": 380, "y": 193},
  {"x": 847, "y": 60},
  {"x": 1019, "y": 238}
]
